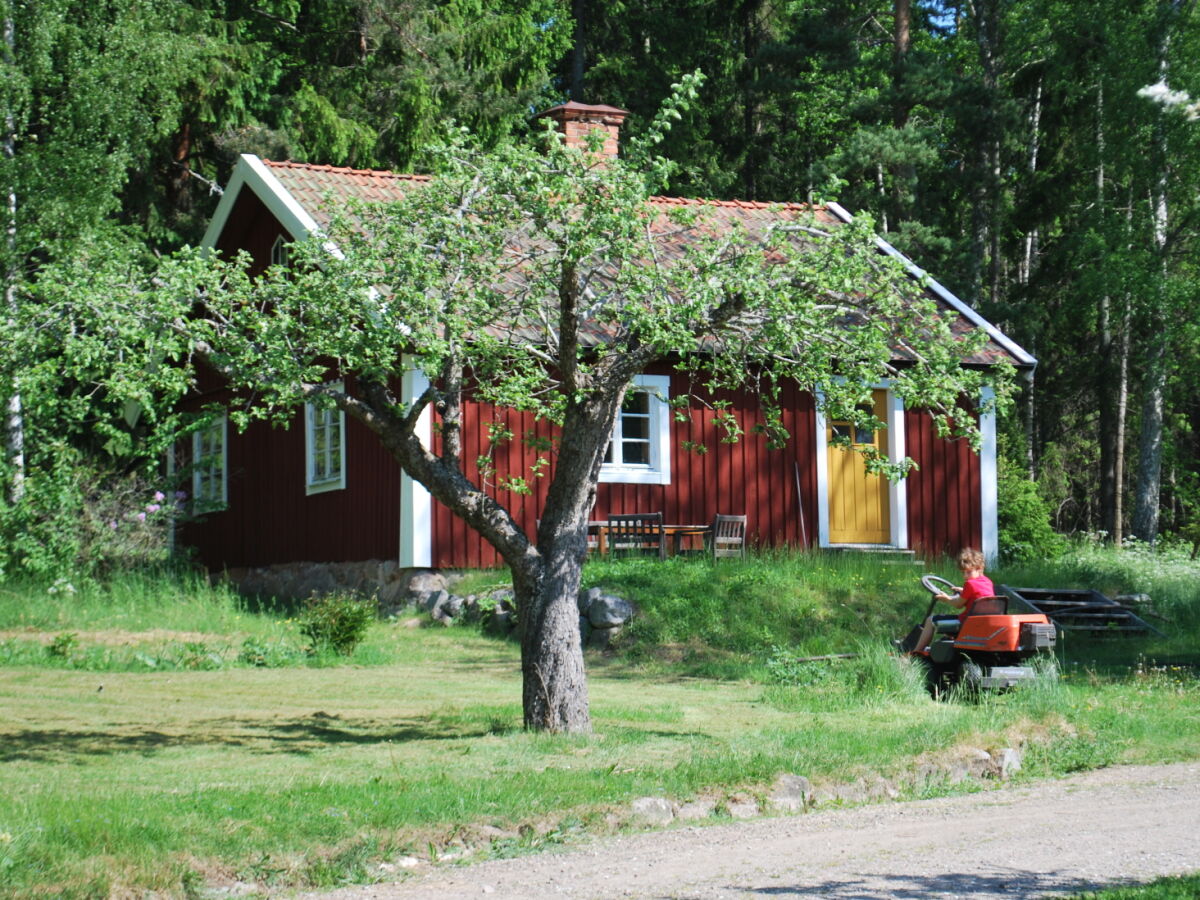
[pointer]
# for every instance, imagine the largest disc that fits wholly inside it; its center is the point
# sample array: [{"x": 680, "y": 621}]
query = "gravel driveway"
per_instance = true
[{"x": 1124, "y": 823}]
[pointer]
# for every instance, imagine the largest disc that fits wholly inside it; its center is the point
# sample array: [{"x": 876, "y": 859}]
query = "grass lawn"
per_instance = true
[{"x": 143, "y": 752}]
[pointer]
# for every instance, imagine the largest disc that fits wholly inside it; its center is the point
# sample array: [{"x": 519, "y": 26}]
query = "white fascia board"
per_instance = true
[
  {"x": 989, "y": 479},
  {"x": 252, "y": 172},
  {"x": 822, "y": 461},
  {"x": 897, "y": 450},
  {"x": 416, "y": 503},
  {"x": 1018, "y": 353}
]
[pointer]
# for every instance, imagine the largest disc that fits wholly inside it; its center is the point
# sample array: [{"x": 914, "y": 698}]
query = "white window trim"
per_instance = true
[
  {"x": 310, "y": 418},
  {"x": 280, "y": 255},
  {"x": 897, "y": 490},
  {"x": 658, "y": 387},
  {"x": 211, "y": 503}
]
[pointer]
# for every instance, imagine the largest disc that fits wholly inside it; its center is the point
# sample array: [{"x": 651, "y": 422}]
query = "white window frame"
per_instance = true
[
  {"x": 314, "y": 418},
  {"x": 211, "y": 466},
  {"x": 280, "y": 255},
  {"x": 658, "y": 388}
]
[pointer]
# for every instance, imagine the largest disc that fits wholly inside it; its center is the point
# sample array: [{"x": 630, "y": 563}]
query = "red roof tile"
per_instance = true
[{"x": 314, "y": 187}]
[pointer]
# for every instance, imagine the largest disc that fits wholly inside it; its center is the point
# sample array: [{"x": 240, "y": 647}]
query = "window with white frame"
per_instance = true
[
  {"x": 639, "y": 452},
  {"x": 325, "y": 448},
  {"x": 210, "y": 484},
  {"x": 279, "y": 252}
]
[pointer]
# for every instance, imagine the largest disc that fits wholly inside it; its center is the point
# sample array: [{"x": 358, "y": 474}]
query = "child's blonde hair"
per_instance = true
[{"x": 970, "y": 558}]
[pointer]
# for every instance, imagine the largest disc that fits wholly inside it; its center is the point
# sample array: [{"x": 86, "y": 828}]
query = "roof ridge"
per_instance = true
[
  {"x": 343, "y": 170},
  {"x": 739, "y": 204}
]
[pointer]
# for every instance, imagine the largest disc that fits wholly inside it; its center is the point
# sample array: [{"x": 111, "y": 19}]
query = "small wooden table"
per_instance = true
[{"x": 676, "y": 533}]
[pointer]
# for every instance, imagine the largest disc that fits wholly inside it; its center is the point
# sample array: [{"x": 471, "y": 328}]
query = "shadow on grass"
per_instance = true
[
  {"x": 1005, "y": 883},
  {"x": 294, "y": 736}
]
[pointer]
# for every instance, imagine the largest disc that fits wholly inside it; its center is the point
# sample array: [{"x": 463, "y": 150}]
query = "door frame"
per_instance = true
[{"x": 897, "y": 490}]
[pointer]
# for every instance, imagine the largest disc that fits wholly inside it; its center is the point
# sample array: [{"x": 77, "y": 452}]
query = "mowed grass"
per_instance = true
[{"x": 120, "y": 779}]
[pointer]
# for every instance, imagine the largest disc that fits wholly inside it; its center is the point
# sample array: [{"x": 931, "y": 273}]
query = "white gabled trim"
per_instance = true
[
  {"x": 1018, "y": 353},
  {"x": 989, "y": 503},
  {"x": 897, "y": 490},
  {"x": 416, "y": 504},
  {"x": 254, "y": 173}
]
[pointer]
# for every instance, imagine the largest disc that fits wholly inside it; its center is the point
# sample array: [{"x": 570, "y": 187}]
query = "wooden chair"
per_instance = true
[
  {"x": 639, "y": 534},
  {"x": 729, "y": 536}
]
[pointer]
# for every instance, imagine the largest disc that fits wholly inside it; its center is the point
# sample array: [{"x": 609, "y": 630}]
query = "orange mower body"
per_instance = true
[{"x": 997, "y": 646}]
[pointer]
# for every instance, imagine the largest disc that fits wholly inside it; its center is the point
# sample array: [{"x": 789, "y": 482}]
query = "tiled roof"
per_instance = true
[{"x": 315, "y": 186}]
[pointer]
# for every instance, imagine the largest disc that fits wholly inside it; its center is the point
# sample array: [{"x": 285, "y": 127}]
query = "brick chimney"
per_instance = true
[{"x": 577, "y": 120}]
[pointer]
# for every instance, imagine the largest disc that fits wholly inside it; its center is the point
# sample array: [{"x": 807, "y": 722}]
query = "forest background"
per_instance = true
[{"x": 1017, "y": 149}]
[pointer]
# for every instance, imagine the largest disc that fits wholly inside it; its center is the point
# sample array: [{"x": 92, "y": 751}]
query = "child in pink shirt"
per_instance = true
[{"x": 975, "y": 585}]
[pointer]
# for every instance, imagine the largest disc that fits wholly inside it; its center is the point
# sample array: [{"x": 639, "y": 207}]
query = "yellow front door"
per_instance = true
[{"x": 858, "y": 501}]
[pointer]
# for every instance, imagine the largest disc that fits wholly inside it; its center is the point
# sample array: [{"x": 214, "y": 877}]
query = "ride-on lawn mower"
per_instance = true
[{"x": 994, "y": 648}]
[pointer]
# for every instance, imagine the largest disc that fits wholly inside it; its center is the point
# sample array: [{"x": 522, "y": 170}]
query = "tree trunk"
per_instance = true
[
  {"x": 554, "y": 692},
  {"x": 1149, "y": 481},
  {"x": 1118, "y": 532},
  {"x": 14, "y": 437}
]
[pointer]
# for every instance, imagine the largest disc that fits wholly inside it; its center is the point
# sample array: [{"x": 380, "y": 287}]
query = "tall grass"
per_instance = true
[
  {"x": 134, "y": 602},
  {"x": 812, "y": 604}
]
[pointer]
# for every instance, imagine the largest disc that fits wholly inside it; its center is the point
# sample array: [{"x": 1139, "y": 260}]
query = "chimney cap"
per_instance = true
[{"x": 574, "y": 111}]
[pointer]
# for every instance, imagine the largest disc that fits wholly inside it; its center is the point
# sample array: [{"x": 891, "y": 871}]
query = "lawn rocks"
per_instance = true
[
  {"x": 652, "y": 811},
  {"x": 401, "y": 592},
  {"x": 742, "y": 807},
  {"x": 789, "y": 794}
]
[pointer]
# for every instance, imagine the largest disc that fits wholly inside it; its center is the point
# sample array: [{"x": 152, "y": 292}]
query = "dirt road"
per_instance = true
[{"x": 1126, "y": 823}]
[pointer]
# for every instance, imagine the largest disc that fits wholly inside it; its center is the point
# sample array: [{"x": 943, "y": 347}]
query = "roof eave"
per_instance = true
[
  {"x": 1021, "y": 358},
  {"x": 251, "y": 172}
]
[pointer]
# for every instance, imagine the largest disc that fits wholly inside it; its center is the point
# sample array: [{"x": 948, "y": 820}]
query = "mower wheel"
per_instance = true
[{"x": 970, "y": 678}]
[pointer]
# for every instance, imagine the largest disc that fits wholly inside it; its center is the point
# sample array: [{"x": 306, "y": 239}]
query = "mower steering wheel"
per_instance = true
[{"x": 938, "y": 585}]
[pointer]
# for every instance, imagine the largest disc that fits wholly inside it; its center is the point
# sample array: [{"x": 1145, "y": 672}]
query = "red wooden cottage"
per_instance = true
[{"x": 324, "y": 490}]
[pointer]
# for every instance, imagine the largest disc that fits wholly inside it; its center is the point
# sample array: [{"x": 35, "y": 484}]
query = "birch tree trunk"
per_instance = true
[
  {"x": 14, "y": 433},
  {"x": 1150, "y": 441}
]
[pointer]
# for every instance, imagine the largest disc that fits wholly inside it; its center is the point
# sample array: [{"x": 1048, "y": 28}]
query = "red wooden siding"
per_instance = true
[
  {"x": 734, "y": 479},
  {"x": 251, "y": 227},
  {"x": 944, "y": 506},
  {"x": 271, "y": 519}
]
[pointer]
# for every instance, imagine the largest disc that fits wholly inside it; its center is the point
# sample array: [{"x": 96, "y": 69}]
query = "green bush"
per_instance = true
[
  {"x": 1025, "y": 530},
  {"x": 80, "y": 521},
  {"x": 338, "y": 622}
]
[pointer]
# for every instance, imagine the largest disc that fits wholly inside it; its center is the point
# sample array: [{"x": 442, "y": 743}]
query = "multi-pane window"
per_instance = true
[
  {"x": 279, "y": 252},
  {"x": 843, "y": 428},
  {"x": 209, "y": 482},
  {"x": 630, "y": 444},
  {"x": 325, "y": 444},
  {"x": 639, "y": 450}
]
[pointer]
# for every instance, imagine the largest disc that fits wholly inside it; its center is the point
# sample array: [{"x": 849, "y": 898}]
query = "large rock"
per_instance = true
[
  {"x": 600, "y": 638},
  {"x": 425, "y": 581},
  {"x": 447, "y": 608},
  {"x": 1009, "y": 762},
  {"x": 700, "y": 808},
  {"x": 741, "y": 807},
  {"x": 652, "y": 810},
  {"x": 392, "y": 598},
  {"x": 587, "y": 598},
  {"x": 608, "y": 611},
  {"x": 789, "y": 794}
]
